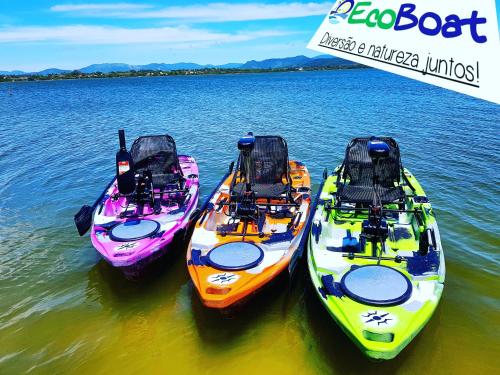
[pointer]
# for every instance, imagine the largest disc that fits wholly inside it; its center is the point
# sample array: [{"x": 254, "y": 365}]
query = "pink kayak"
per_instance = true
[{"x": 132, "y": 229}]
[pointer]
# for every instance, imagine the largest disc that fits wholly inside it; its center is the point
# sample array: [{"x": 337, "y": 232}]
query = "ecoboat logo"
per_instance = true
[
  {"x": 340, "y": 11},
  {"x": 453, "y": 44},
  {"x": 407, "y": 17}
]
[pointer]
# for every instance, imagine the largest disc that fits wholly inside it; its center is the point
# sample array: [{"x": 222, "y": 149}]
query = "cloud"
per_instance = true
[
  {"x": 99, "y": 7},
  {"x": 213, "y": 12},
  {"x": 105, "y": 35}
]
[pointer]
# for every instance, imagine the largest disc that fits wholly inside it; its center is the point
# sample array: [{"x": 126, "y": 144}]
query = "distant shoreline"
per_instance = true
[{"x": 160, "y": 73}]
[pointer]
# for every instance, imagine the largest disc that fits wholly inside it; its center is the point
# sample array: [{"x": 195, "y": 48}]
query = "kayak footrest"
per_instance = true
[
  {"x": 344, "y": 249},
  {"x": 197, "y": 259},
  {"x": 280, "y": 237},
  {"x": 316, "y": 230},
  {"x": 330, "y": 287},
  {"x": 420, "y": 264},
  {"x": 107, "y": 226},
  {"x": 227, "y": 228}
]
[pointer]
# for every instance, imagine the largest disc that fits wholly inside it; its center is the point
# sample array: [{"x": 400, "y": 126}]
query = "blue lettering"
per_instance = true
[
  {"x": 429, "y": 23},
  {"x": 473, "y": 21},
  {"x": 453, "y": 26},
  {"x": 426, "y": 30},
  {"x": 406, "y": 11}
]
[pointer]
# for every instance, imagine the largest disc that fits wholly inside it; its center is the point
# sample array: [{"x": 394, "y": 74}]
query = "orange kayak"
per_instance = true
[{"x": 246, "y": 234}]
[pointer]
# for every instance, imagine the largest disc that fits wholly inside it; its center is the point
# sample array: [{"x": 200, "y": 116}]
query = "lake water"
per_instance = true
[{"x": 62, "y": 310}]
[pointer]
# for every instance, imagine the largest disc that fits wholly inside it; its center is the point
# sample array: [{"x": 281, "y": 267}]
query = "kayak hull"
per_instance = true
[
  {"x": 381, "y": 331},
  {"x": 222, "y": 288},
  {"x": 138, "y": 269},
  {"x": 134, "y": 255},
  {"x": 373, "y": 349},
  {"x": 221, "y": 302}
]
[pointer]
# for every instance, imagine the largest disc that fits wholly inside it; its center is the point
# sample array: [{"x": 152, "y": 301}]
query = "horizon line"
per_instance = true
[{"x": 312, "y": 55}]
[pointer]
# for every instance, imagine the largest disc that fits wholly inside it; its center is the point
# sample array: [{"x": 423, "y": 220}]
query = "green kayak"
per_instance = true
[{"x": 374, "y": 251}]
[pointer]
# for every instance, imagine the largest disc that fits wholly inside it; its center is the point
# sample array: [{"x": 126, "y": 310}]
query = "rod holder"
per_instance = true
[{"x": 121, "y": 136}]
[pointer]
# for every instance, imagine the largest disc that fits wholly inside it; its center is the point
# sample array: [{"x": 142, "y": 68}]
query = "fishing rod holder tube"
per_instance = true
[
  {"x": 377, "y": 151},
  {"x": 246, "y": 145},
  {"x": 244, "y": 205},
  {"x": 375, "y": 228}
]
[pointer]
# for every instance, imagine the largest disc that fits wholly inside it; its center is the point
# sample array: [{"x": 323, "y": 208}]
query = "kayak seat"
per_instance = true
[
  {"x": 157, "y": 154},
  {"x": 263, "y": 190},
  {"x": 269, "y": 174},
  {"x": 364, "y": 194},
  {"x": 358, "y": 172},
  {"x": 164, "y": 179}
]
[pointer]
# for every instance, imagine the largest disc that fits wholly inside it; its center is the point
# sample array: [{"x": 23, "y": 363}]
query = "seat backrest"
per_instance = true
[
  {"x": 268, "y": 161},
  {"x": 358, "y": 166},
  {"x": 157, "y": 153}
]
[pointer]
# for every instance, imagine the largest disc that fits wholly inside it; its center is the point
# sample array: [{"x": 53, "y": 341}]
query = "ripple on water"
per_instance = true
[{"x": 63, "y": 310}]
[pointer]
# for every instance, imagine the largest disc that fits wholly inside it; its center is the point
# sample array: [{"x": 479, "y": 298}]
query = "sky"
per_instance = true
[{"x": 71, "y": 34}]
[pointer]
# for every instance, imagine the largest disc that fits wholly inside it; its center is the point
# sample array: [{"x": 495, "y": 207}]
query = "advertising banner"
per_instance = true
[{"x": 451, "y": 44}]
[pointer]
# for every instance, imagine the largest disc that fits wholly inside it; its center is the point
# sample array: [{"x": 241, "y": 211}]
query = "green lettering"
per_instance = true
[
  {"x": 356, "y": 12},
  {"x": 373, "y": 13},
  {"x": 386, "y": 25}
]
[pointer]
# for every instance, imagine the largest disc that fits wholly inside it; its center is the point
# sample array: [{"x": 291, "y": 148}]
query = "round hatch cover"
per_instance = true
[
  {"x": 376, "y": 285},
  {"x": 235, "y": 256},
  {"x": 134, "y": 230}
]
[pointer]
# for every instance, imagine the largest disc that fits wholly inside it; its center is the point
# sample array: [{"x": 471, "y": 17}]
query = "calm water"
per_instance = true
[{"x": 62, "y": 310}]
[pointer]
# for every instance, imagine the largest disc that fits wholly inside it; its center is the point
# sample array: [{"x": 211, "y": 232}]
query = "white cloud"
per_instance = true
[
  {"x": 213, "y": 12},
  {"x": 177, "y": 37},
  {"x": 98, "y": 7}
]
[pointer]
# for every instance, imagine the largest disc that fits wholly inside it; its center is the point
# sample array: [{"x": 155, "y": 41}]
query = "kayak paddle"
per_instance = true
[{"x": 83, "y": 219}]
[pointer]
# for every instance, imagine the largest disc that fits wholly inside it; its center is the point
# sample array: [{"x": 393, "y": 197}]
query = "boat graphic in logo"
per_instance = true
[{"x": 340, "y": 11}]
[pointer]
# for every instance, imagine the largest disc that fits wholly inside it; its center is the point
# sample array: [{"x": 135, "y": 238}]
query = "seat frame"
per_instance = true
[
  {"x": 172, "y": 178},
  {"x": 262, "y": 191},
  {"x": 365, "y": 191}
]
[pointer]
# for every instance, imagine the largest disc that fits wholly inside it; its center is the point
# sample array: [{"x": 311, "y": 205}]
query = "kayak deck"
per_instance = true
[
  {"x": 246, "y": 269},
  {"x": 116, "y": 215},
  {"x": 381, "y": 328}
]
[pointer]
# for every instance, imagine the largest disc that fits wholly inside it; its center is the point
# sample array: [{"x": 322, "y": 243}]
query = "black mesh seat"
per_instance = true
[
  {"x": 162, "y": 180},
  {"x": 263, "y": 190},
  {"x": 269, "y": 169},
  {"x": 364, "y": 194},
  {"x": 356, "y": 178},
  {"x": 158, "y": 154}
]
